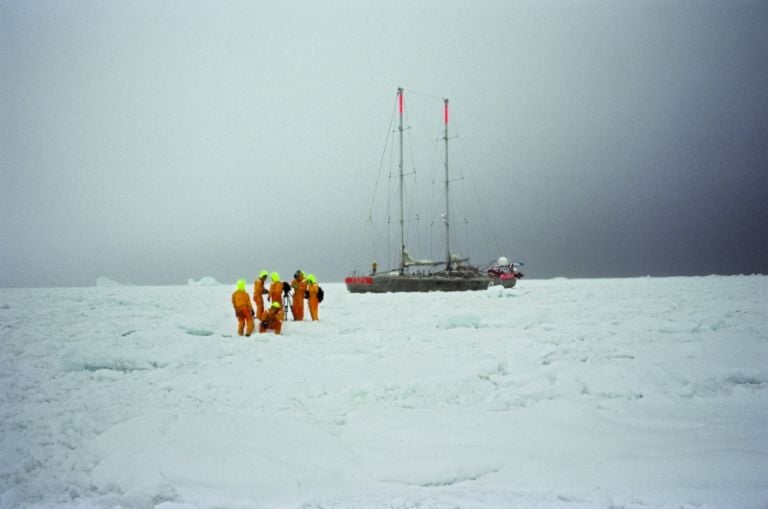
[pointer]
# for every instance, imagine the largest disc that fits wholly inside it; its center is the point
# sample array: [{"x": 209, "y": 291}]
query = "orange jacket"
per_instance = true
[
  {"x": 258, "y": 290},
  {"x": 241, "y": 300},
  {"x": 299, "y": 286},
  {"x": 276, "y": 291},
  {"x": 312, "y": 291}
]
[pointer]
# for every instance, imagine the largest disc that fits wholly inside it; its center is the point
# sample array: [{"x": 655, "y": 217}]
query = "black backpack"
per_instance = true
[{"x": 320, "y": 294}]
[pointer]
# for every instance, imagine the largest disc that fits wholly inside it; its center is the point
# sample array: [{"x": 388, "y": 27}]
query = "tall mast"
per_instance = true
[
  {"x": 402, "y": 206},
  {"x": 447, "y": 208}
]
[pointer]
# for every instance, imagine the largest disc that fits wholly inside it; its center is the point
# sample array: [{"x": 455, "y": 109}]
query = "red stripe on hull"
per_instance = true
[{"x": 359, "y": 280}]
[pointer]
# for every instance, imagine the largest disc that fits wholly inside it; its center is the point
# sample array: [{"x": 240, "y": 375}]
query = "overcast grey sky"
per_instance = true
[{"x": 151, "y": 142}]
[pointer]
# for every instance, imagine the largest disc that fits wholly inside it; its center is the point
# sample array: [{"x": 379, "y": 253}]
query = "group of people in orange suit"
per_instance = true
[{"x": 272, "y": 317}]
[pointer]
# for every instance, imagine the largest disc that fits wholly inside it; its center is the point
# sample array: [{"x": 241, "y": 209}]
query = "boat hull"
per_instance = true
[
  {"x": 413, "y": 283},
  {"x": 506, "y": 282}
]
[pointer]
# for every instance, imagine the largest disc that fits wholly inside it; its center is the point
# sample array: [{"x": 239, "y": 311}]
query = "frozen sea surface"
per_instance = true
[{"x": 647, "y": 392}]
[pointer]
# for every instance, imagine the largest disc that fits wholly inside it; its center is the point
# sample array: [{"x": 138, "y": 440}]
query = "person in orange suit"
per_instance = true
[
  {"x": 275, "y": 288},
  {"x": 299, "y": 285},
  {"x": 314, "y": 302},
  {"x": 272, "y": 318},
  {"x": 241, "y": 301},
  {"x": 258, "y": 292}
]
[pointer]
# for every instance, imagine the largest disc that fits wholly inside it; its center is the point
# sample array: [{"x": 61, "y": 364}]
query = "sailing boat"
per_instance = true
[{"x": 455, "y": 273}]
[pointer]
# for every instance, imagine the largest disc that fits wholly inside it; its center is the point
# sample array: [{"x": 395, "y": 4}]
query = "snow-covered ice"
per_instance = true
[{"x": 647, "y": 392}]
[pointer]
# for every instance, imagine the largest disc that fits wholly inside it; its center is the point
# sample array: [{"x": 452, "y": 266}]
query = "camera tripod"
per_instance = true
[{"x": 287, "y": 298}]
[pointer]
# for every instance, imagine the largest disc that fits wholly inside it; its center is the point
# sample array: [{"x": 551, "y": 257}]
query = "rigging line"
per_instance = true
[
  {"x": 388, "y": 243},
  {"x": 459, "y": 210},
  {"x": 465, "y": 210},
  {"x": 469, "y": 244},
  {"x": 433, "y": 208},
  {"x": 434, "y": 199},
  {"x": 381, "y": 162},
  {"x": 438, "y": 203},
  {"x": 413, "y": 233},
  {"x": 477, "y": 194},
  {"x": 411, "y": 145},
  {"x": 414, "y": 92}
]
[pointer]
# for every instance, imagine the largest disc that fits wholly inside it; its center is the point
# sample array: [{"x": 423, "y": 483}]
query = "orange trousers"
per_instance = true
[
  {"x": 313, "y": 308},
  {"x": 244, "y": 321},
  {"x": 298, "y": 306},
  {"x": 259, "y": 305}
]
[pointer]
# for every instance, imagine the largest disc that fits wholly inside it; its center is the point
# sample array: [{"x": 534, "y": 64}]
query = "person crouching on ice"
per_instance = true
[
  {"x": 272, "y": 318},
  {"x": 241, "y": 301}
]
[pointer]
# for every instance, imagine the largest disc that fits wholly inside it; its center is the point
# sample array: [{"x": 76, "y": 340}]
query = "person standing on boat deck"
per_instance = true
[
  {"x": 243, "y": 309},
  {"x": 299, "y": 285},
  {"x": 314, "y": 302},
  {"x": 272, "y": 319},
  {"x": 374, "y": 266},
  {"x": 258, "y": 292},
  {"x": 276, "y": 288}
]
